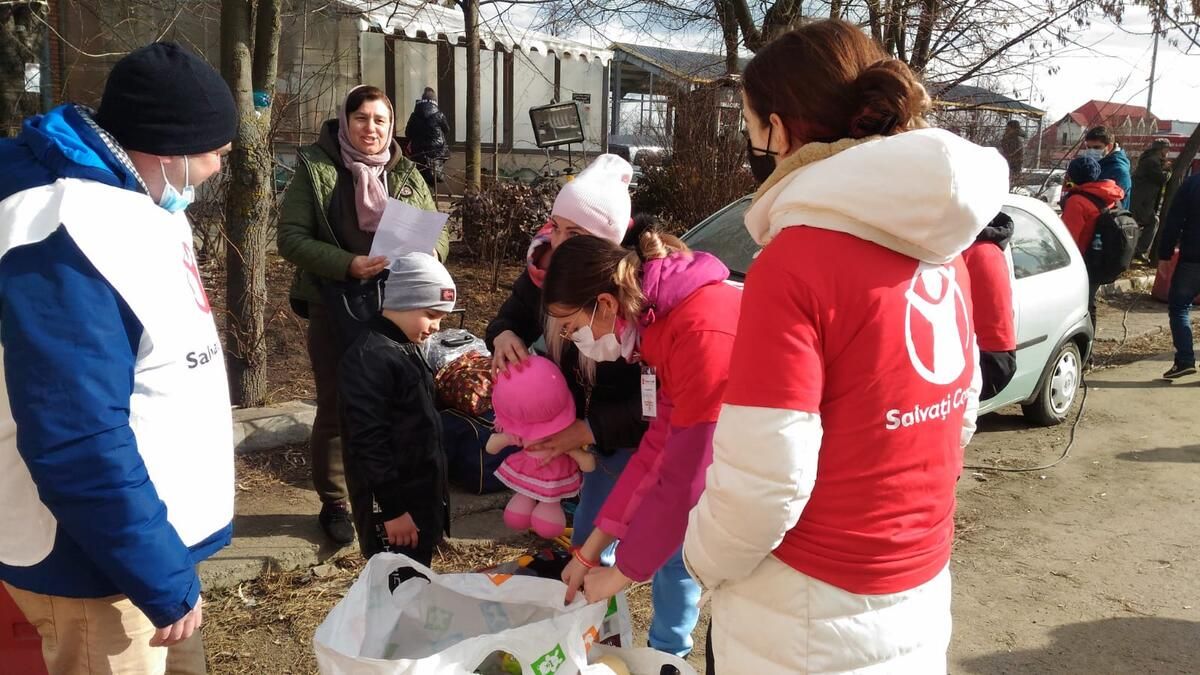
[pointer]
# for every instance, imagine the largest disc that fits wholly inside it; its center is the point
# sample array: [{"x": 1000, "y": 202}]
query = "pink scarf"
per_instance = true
[{"x": 370, "y": 193}]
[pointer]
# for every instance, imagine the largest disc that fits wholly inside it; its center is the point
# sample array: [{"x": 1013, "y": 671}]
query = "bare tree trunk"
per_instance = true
[
  {"x": 250, "y": 196},
  {"x": 474, "y": 136},
  {"x": 22, "y": 37},
  {"x": 729, "y": 34},
  {"x": 1186, "y": 155}
]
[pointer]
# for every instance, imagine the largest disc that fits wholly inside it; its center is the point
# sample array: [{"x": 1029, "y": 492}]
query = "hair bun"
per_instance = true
[{"x": 890, "y": 100}]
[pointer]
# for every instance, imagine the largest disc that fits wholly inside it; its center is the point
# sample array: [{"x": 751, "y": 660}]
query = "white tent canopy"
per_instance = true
[{"x": 417, "y": 19}]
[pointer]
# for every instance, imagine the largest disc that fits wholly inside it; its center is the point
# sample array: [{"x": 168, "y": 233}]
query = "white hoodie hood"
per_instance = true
[{"x": 926, "y": 193}]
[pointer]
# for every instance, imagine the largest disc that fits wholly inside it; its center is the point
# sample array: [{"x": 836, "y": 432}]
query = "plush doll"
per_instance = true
[{"x": 532, "y": 403}]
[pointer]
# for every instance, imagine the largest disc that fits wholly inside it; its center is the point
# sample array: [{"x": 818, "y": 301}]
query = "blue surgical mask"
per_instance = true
[
  {"x": 173, "y": 200},
  {"x": 1095, "y": 153}
]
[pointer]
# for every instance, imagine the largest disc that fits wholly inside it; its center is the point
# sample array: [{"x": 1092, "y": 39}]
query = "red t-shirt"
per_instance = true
[{"x": 881, "y": 346}]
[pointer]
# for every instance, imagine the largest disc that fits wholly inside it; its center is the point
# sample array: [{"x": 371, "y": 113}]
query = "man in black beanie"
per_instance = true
[{"x": 119, "y": 478}]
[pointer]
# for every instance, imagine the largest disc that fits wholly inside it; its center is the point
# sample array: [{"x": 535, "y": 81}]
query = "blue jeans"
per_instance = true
[
  {"x": 597, "y": 485},
  {"x": 1185, "y": 286},
  {"x": 675, "y": 595}
]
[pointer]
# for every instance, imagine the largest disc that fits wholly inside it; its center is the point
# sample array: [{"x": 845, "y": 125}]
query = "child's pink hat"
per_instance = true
[{"x": 533, "y": 402}]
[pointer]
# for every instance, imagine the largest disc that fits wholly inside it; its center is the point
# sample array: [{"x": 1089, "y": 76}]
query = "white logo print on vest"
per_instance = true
[{"x": 937, "y": 329}]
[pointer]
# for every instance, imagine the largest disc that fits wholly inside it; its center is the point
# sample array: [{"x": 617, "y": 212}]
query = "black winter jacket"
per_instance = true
[
  {"x": 1182, "y": 226},
  {"x": 614, "y": 410},
  {"x": 426, "y": 130},
  {"x": 393, "y": 433}
]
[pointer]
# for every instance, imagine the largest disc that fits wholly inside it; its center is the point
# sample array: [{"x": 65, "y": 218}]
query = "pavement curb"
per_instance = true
[
  {"x": 256, "y": 429},
  {"x": 1142, "y": 283}
]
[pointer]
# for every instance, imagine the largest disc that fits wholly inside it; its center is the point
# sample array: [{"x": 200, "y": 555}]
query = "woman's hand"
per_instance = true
[
  {"x": 510, "y": 351},
  {"x": 603, "y": 583},
  {"x": 402, "y": 531},
  {"x": 573, "y": 576},
  {"x": 362, "y": 267},
  {"x": 574, "y": 437}
]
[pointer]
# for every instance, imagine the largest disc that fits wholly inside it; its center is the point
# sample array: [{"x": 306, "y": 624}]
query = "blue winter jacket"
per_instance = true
[
  {"x": 1116, "y": 166},
  {"x": 71, "y": 346}
]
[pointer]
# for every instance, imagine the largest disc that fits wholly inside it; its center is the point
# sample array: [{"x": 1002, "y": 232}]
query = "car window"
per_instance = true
[
  {"x": 724, "y": 235},
  {"x": 1035, "y": 249}
]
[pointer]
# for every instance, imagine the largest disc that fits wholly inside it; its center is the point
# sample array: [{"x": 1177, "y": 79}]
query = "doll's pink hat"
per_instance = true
[{"x": 533, "y": 402}]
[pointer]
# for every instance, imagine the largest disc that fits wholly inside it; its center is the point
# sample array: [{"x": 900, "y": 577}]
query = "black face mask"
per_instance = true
[{"x": 761, "y": 166}]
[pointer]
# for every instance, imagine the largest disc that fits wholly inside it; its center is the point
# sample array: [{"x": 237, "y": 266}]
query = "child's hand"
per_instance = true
[
  {"x": 573, "y": 576},
  {"x": 402, "y": 531},
  {"x": 603, "y": 583}
]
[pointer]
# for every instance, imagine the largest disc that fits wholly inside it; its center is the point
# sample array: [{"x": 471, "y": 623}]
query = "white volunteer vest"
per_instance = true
[{"x": 179, "y": 410}]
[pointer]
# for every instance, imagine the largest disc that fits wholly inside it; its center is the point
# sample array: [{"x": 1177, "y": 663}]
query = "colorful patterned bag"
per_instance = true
[{"x": 465, "y": 384}]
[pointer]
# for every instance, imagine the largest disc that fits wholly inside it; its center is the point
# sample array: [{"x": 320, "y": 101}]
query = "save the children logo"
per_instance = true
[
  {"x": 937, "y": 333},
  {"x": 937, "y": 327},
  {"x": 194, "y": 282}
]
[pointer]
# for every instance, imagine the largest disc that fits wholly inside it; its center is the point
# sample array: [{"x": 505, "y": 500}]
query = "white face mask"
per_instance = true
[{"x": 607, "y": 348}]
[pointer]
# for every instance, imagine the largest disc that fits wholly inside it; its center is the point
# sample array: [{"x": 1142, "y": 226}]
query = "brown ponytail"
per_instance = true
[
  {"x": 584, "y": 267},
  {"x": 828, "y": 81}
]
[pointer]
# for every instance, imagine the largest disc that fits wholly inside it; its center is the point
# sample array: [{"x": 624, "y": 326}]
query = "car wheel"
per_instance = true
[{"x": 1057, "y": 393}]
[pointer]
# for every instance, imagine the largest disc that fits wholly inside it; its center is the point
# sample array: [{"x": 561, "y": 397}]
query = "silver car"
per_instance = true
[{"x": 1054, "y": 331}]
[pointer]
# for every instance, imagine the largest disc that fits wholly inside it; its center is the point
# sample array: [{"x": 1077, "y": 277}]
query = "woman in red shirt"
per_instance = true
[{"x": 825, "y": 528}]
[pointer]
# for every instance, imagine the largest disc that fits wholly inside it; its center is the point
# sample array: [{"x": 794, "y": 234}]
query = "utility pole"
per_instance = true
[{"x": 1153, "y": 67}]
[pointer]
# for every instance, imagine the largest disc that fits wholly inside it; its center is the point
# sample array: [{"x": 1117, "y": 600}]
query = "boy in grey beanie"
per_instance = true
[{"x": 395, "y": 467}]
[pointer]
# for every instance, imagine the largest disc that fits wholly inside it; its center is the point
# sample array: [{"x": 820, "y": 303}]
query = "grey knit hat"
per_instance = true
[{"x": 418, "y": 281}]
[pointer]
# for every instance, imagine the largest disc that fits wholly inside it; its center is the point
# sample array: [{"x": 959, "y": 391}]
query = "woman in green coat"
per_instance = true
[{"x": 326, "y": 225}]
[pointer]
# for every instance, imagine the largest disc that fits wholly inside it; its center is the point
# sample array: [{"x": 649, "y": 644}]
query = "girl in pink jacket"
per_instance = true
[{"x": 683, "y": 317}]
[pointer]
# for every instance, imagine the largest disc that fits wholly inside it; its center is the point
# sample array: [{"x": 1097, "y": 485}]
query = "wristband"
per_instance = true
[{"x": 575, "y": 553}]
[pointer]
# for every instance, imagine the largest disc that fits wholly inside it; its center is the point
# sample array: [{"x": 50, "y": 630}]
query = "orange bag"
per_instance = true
[{"x": 465, "y": 384}]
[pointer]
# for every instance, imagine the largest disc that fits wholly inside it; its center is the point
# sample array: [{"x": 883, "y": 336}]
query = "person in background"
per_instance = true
[
  {"x": 1087, "y": 194},
  {"x": 1152, "y": 173},
  {"x": 1182, "y": 229},
  {"x": 826, "y": 524},
  {"x": 327, "y": 223},
  {"x": 395, "y": 465},
  {"x": 116, "y": 464},
  {"x": 426, "y": 130},
  {"x": 1101, "y": 145},
  {"x": 992, "y": 300},
  {"x": 1012, "y": 146}
]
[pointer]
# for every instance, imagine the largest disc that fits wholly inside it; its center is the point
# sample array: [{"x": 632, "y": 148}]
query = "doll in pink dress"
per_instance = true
[{"x": 533, "y": 403}]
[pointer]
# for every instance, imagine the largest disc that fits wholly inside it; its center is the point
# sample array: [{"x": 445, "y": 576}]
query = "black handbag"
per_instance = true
[{"x": 352, "y": 304}]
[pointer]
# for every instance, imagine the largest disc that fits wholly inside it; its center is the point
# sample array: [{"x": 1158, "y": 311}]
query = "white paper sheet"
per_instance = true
[{"x": 406, "y": 229}]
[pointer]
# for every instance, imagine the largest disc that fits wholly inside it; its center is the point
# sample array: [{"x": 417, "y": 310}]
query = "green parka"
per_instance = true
[{"x": 318, "y": 229}]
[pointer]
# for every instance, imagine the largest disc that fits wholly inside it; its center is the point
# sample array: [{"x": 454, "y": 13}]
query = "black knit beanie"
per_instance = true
[{"x": 165, "y": 101}]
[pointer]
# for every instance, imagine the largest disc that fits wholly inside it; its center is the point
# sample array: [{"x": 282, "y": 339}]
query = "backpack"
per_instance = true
[
  {"x": 1112, "y": 247},
  {"x": 470, "y": 467}
]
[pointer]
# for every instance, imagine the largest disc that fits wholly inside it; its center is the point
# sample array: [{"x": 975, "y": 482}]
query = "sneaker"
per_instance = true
[
  {"x": 335, "y": 520},
  {"x": 1177, "y": 371}
]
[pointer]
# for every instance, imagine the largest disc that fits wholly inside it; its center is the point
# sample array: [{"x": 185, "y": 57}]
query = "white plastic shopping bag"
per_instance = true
[
  {"x": 401, "y": 618},
  {"x": 641, "y": 661}
]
